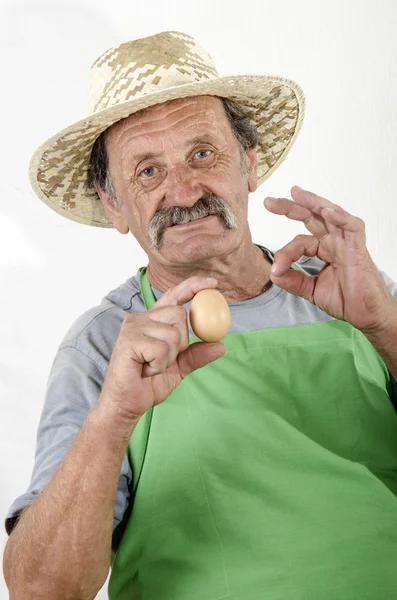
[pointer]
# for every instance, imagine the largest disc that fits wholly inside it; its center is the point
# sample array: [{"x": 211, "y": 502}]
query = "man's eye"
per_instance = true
[
  {"x": 203, "y": 153},
  {"x": 148, "y": 172}
]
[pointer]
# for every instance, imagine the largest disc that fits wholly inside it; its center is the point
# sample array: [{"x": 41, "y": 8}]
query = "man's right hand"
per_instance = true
[{"x": 152, "y": 353}]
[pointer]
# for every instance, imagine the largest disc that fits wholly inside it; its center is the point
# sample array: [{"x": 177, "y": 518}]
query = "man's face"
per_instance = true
[{"x": 181, "y": 155}]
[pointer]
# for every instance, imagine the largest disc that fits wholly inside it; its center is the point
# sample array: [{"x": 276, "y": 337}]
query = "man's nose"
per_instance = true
[{"x": 183, "y": 187}]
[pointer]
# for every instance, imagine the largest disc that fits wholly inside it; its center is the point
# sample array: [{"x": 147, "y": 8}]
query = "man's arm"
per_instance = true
[
  {"x": 384, "y": 339},
  {"x": 61, "y": 546}
]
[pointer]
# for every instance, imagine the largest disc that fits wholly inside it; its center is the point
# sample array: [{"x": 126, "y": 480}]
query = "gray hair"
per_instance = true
[{"x": 243, "y": 130}]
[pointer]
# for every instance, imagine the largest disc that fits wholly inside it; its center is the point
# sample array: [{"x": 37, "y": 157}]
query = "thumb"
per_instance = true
[
  {"x": 198, "y": 355},
  {"x": 297, "y": 283}
]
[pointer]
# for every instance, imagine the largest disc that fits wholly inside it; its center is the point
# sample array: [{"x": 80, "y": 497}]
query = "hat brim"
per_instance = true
[{"x": 58, "y": 168}]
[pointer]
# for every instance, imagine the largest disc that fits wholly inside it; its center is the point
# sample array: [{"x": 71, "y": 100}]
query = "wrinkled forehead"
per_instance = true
[{"x": 181, "y": 115}]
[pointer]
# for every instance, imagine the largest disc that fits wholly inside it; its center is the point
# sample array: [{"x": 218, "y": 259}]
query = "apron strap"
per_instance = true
[{"x": 393, "y": 391}]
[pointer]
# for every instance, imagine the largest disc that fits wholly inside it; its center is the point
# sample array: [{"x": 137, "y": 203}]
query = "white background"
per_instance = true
[{"x": 344, "y": 55}]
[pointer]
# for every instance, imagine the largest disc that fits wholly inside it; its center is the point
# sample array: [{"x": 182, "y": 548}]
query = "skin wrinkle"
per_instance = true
[
  {"x": 139, "y": 159},
  {"x": 185, "y": 180}
]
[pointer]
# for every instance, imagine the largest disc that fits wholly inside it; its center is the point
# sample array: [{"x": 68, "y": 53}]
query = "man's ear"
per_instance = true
[
  {"x": 252, "y": 170},
  {"x": 112, "y": 210}
]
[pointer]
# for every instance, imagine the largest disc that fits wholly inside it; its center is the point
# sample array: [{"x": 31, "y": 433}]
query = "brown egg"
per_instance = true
[{"x": 209, "y": 315}]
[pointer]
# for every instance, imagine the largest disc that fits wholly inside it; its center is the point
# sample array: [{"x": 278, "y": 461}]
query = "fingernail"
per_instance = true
[
  {"x": 274, "y": 268},
  {"x": 211, "y": 279},
  {"x": 270, "y": 198},
  {"x": 328, "y": 208}
]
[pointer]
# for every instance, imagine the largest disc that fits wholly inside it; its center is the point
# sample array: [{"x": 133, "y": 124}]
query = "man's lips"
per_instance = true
[{"x": 207, "y": 220}]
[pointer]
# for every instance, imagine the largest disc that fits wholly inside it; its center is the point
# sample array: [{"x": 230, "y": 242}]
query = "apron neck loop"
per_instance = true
[{"x": 149, "y": 299}]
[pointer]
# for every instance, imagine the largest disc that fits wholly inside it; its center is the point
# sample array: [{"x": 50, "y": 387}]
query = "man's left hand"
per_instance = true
[{"x": 349, "y": 286}]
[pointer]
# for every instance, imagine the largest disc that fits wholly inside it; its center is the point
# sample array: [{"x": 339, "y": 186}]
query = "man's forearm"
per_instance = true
[
  {"x": 384, "y": 339},
  {"x": 61, "y": 546}
]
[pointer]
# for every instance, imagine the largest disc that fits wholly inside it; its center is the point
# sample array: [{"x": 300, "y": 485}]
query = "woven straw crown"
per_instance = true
[{"x": 145, "y": 72}]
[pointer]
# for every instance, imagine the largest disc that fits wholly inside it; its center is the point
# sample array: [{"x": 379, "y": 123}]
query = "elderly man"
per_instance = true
[{"x": 262, "y": 466}]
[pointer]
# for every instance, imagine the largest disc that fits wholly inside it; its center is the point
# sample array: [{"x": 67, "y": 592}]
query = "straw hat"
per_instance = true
[{"x": 145, "y": 72}]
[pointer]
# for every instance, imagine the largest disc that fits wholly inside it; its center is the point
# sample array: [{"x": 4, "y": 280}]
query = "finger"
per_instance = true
[
  {"x": 297, "y": 283},
  {"x": 301, "y": 245},
  {"x": 165, "y": 330},
  {"x": 290, "y": 209},
  {"x": 152, "y": 320},
  {"x": 323, "y": 208},
  {"x": 154, "y": 355},
  {"x": 198, "y": 355},
  {"x": 312, "y": 201},
  {"x": 176, "y": 336},
  {"x": 353, "y": 227},
  {"x": 185, "y": 291},
  {"x": 332, "y": 229},
  {"x": 175, "y": 316},
  {"x": 194, "y": 357}
]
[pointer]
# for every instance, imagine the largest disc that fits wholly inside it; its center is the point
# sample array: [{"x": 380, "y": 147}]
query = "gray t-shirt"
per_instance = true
[{"x": 81, "y": 363}]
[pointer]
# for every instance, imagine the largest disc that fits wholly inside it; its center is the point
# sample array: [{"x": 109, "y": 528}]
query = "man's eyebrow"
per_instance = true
[{"x": 199, "y": 139}]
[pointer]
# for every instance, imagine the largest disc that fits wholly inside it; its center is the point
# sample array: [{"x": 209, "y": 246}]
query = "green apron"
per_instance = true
[{"x": 270, "y": 474}]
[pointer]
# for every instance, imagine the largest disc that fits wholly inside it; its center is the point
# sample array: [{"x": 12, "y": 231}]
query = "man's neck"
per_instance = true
[{"x": 239, "y": 278}]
